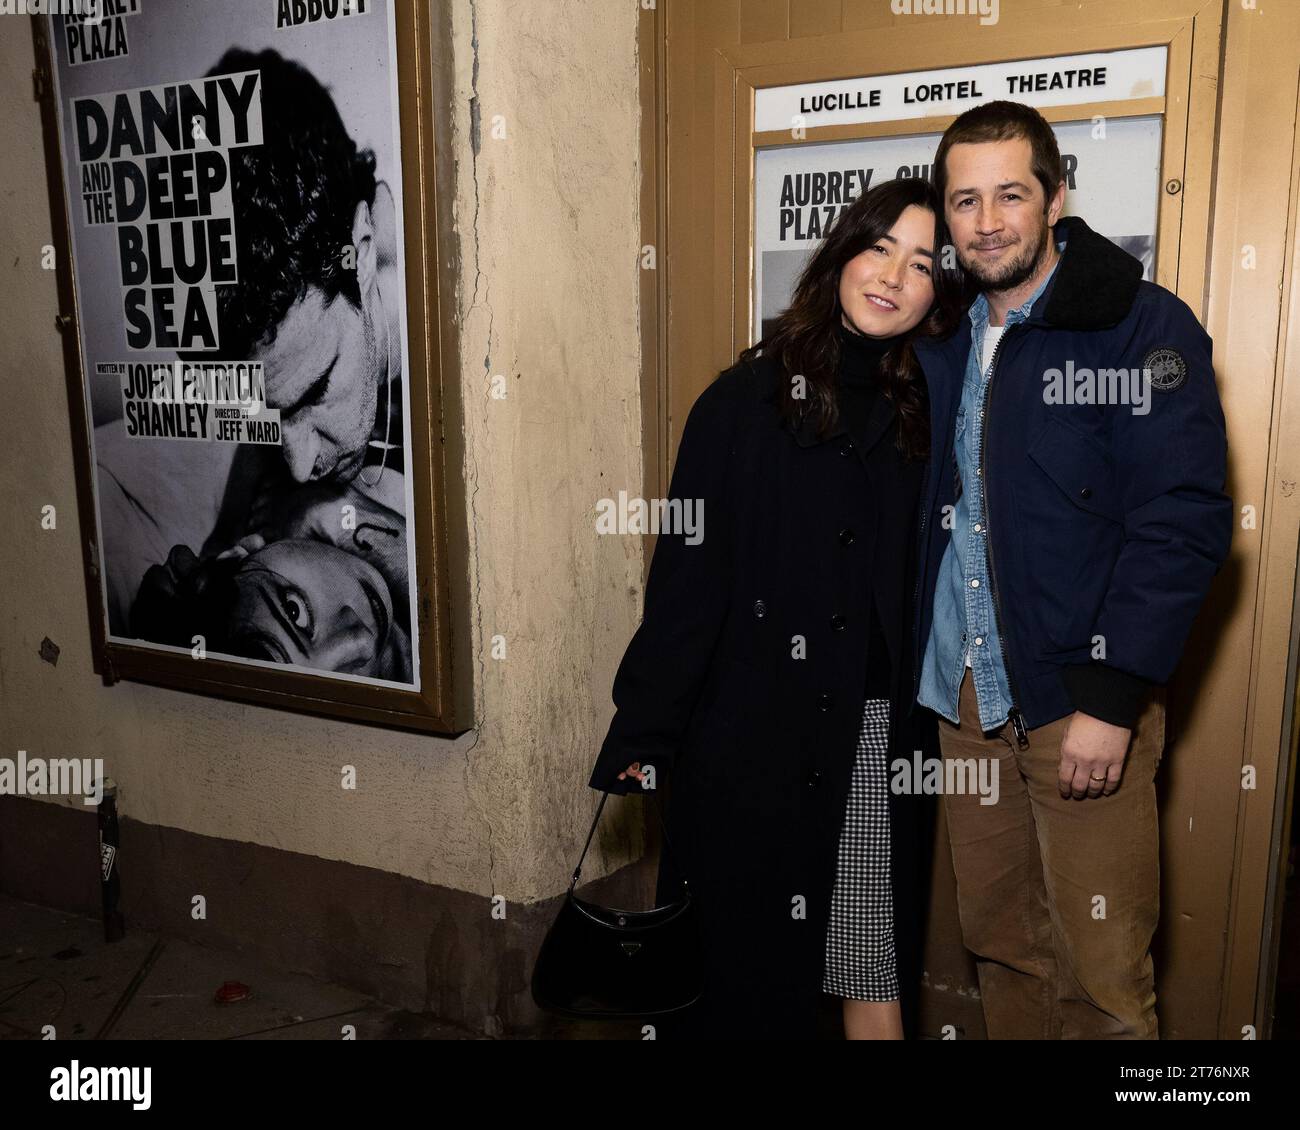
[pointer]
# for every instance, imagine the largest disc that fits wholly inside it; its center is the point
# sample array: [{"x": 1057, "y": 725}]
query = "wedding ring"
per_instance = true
[{"x": 1092, "y": 778}]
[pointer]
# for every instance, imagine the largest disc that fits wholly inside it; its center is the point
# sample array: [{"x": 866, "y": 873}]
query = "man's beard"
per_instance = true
[{"x": 1010, "y": 275}]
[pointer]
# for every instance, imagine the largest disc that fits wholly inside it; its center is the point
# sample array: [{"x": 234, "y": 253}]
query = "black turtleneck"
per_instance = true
[
  {"x": 858, "y": 390},
  {"x": 858, "y": 387},
  {"x": 865, "y": 349}
]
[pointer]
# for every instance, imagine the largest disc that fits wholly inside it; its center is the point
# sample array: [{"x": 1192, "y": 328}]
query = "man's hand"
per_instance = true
[
  {"x": 1092, "y": 757},
  {"x": 373, "y": 532}
]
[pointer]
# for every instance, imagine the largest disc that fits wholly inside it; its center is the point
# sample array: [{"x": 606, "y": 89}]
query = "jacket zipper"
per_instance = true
[{"x": 1013, "y": 715}]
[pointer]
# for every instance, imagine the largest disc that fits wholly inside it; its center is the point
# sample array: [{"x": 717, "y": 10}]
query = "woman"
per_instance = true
[
  {"x": 319, "y": 582},
  {"x": 771, "y": 678},
  {"x": 298, "y": 601}
]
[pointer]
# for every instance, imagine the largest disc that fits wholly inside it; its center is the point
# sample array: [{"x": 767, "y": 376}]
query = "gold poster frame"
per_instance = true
[{"x": 443, "y": 704}]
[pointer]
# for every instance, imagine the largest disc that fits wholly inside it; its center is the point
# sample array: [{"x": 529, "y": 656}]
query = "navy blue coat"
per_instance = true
[
  {"x": 755, "y": 743},
  {"x": 1102, "y": 523}
]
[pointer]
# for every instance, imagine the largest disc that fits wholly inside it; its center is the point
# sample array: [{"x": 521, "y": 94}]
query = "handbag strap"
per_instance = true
[{"x": 596, "y": 819}]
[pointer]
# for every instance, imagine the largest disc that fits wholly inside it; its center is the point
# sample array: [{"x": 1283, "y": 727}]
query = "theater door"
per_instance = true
[{"x": 1177, "y": 125}]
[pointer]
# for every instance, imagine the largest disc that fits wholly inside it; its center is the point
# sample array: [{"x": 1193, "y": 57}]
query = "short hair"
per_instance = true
[
  {"x": 293, "y": 197},
  {"x": 1002, "y": 121}
]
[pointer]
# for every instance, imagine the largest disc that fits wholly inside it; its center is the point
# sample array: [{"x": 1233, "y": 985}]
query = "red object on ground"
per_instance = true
[{"x": 233, "y": 991}]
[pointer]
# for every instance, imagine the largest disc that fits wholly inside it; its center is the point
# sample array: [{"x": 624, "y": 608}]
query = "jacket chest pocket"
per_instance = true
[{"x": 1080, "y": 468}]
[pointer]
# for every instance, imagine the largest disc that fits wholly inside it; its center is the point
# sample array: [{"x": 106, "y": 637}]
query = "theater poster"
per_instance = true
[
  {"x": 233, "y": 183},
  {"x": 1111, "y": 165}
]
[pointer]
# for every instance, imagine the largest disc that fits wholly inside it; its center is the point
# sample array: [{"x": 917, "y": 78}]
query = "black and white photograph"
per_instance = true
[{"x": 235, "y": 196}]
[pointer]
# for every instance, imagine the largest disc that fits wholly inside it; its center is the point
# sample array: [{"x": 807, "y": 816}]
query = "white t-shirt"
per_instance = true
[{"x": 992, "y": 335}]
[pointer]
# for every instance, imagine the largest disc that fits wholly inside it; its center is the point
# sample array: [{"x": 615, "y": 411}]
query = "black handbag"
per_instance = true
[{"x": 598, "y": 963}]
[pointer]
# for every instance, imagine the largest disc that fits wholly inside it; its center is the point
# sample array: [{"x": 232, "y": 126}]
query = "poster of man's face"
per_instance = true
[{"x": 234, "y": 180}]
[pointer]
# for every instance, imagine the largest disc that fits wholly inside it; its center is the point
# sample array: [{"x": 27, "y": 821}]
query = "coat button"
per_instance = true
[
  {"x": 846, "y": 536},
  {"x": 760, "y": 608},
  {"x": 1086, "y": 492},
  {"x": 838, "y": 621},
  {"x": 825, "y": 702},
  {"x": 814, "y": 778}
]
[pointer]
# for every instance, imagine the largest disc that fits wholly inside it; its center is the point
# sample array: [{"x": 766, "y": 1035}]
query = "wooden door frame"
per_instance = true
[{"x": 1241, "y": 75}]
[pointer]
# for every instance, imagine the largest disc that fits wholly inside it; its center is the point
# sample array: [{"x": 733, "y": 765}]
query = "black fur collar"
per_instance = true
[{"x": 1096, "y": 281}]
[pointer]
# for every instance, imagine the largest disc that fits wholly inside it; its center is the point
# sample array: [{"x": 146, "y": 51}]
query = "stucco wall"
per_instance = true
[{"x": 547, "y": 218}]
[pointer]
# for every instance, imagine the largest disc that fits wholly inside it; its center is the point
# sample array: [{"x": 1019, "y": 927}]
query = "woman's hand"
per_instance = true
[{"x": 634, "y": 770}]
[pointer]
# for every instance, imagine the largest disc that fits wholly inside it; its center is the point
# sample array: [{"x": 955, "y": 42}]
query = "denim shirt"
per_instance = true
[{"x": 963, "y": 602}]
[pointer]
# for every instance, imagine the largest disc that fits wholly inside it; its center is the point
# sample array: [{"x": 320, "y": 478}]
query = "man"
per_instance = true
[
  {"x": 318, "y": 297},
  {"x": 1075, "y": 518},
  {"x": 318, "y": 303}
]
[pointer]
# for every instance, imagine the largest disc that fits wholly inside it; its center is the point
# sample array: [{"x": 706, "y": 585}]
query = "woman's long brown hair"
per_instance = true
[{"x": 806, "y": 341}]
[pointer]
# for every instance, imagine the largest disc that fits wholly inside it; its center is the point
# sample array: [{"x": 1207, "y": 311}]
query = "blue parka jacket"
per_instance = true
[{"x": 1106, "y": 525}]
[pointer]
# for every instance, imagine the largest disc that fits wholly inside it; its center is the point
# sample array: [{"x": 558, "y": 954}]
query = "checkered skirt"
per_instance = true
[{"x": 860, "y": 958}]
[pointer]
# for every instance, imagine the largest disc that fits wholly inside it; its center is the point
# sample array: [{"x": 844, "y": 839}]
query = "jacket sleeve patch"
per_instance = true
[{"x": 1167, "y": 369}]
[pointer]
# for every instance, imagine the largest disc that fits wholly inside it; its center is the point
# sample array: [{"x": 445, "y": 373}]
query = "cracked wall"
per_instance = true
[
  {"x": 547, "y": 214},
  {"x": 546, "y": 141}
]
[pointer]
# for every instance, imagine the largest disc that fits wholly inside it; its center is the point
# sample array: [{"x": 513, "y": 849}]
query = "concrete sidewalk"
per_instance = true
[{"x": 56, "y": 970}]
